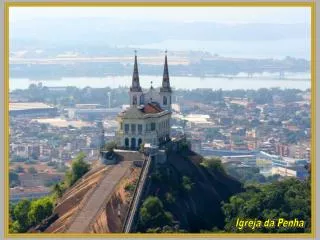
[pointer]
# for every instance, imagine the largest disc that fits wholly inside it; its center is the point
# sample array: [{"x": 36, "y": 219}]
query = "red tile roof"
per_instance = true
[{"x": 152, "y": 108}]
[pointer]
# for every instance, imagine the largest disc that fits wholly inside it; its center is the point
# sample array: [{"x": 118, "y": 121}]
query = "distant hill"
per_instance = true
[{"x": 111, "y": 31}]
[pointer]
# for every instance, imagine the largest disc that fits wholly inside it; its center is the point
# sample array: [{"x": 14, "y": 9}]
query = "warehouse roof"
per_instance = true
[{"x": 18, "y": 106}]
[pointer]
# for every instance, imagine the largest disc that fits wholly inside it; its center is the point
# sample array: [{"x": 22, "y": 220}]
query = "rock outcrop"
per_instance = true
[
  {"x": 196, "y": 209},
  {"x": 98, "y": 202}
]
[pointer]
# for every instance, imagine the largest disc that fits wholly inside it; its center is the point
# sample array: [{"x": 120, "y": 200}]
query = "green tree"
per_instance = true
[
  {"x": 78, "y": 168},
  {"x": 14, "y": 227},
  {"x": 20, "y": 212},
  {"x": 40, "y": 210},
  {"x": 213, "y": 164},
  {"x": 170, "y": 198},
  {"x": 152, "y": 214},
  {"x": 289, "y": 199},
  {"x": 187, "y": 183},
  {"x": 110, "y": 146},
  {"x": 141, "y": 147},
  {"x": 58, "y": 190}
]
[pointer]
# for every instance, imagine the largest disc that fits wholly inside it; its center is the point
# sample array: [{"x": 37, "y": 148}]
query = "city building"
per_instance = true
[
  {"x": 297, "y": 172},
  {"x": 32, "y": 109},
  {"x": 91, "y": 112},
  {"x": 147, "y": 120},
  {"x": 248, "y": 160}
]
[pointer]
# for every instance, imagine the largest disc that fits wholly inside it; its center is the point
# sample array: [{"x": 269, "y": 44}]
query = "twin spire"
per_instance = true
[
  {"x": 135, "y": 87},
  {"x": 165, "y": 80}
]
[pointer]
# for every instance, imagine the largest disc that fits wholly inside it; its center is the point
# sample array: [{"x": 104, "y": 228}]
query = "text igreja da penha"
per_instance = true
[{"x": 269, "y": 223}]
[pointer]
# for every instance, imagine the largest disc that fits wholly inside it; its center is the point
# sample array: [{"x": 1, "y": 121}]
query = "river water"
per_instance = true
[{"x": 298, "y": 81}]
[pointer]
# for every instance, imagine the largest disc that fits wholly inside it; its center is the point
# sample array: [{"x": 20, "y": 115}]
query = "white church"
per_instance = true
[{"x": 147, "y": 120}]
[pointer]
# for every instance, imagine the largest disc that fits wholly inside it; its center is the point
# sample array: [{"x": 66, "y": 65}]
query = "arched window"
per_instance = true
[
  {"x": 133, "y": 143},
  {"x": 165, "y": 100},
  {"x": 126, "y": 142},
  {"x": 142, "y": 99},
  {"x": 139, "y": 142},
  {"x": 134, "y": 100}
]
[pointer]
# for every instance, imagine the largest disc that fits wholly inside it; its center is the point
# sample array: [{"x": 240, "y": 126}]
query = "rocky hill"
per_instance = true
[
  {"x": 98, "y": 202},
  {"x": 191, "y": 192}
]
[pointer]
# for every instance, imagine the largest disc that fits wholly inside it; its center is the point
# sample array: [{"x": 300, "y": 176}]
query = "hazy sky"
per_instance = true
[{"x": 216, "y": 14}]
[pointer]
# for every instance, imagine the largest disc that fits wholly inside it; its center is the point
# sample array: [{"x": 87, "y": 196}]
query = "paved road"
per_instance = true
[{"x": 98, "y": 198}]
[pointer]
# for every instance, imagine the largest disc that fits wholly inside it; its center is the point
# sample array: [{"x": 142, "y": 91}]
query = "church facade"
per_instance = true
[{"x": 147, "y": 120}]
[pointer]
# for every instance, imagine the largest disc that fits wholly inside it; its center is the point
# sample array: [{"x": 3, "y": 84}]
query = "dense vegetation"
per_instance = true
[
  {"x": 260, "y": 96},
  {"x": 74, "y": 95},
  {"x": 167, "y": 207},
  {"x": 288, "y": 199},
  {"x": 78, "y": 168},
  {"x": 29, "y": 213},
  {"x": 213, "y": 164},
  {"x": 26, "y": 213},
  {"x": 152, "y": 214}
]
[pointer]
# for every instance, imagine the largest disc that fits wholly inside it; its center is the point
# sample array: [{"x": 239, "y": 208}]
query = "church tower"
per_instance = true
[
  {"x": 165, "y": 90},
  {"x": 136, "y": 94}
]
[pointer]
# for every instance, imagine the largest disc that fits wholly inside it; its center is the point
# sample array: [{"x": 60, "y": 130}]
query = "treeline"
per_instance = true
[
  {"x": 73, "y": 95},
  {"x": 260, "y": 96},
  {"x": 29, "y": 213},
  {"x": 201, "y": 67}
]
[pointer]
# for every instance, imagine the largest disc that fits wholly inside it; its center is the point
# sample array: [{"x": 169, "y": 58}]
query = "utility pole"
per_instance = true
[{"x": 109, "y": 99}]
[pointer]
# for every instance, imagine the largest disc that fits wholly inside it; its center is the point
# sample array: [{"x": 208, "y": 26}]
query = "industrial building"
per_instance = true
[
  {"x": 92, "y": 112},
  {"x": 32, "y": 109}
]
